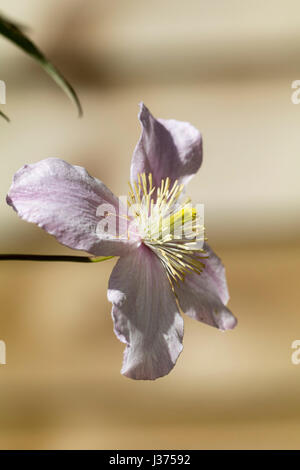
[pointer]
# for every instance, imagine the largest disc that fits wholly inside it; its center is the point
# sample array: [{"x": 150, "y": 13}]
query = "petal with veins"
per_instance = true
[
  {"x": 145, "y": 315},
  {"x": 167, "y": 148},
  {"x": 65, "y": 200},
  {"x": 203, "y": 297}
]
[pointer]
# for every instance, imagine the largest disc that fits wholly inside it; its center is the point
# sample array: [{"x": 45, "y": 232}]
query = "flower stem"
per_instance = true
[{"x": 73, "y": 259}]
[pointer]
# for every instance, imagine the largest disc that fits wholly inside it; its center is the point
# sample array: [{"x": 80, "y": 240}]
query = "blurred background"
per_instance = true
[{"x": 227, "y": 67}]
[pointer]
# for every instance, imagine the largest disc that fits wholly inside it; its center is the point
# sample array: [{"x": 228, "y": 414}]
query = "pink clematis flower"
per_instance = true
[{"x": 158, "y": 275}]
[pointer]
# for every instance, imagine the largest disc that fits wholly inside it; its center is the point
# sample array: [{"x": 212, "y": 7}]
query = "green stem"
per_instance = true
[{"x": 73, "y": 259}]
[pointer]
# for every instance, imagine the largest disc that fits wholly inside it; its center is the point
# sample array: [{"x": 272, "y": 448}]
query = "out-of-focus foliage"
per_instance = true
[
  {"x": 4, "y": 116},
  {"x": 16, "y": 34}
]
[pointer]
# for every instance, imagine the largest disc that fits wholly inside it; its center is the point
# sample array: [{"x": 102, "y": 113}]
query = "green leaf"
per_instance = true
[
  {"x": 4, "y": 116},
  {"x": 15, "y": 33}
]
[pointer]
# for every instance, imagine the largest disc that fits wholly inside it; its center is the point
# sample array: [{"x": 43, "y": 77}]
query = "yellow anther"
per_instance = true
[{"x": 162, "y": 225}]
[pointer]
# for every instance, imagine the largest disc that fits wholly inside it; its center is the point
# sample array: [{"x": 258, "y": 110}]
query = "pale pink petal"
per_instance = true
[
  {"x": 204, "y": 297},
  {"x": 145, "y": 315},
  {"x": 167, "y": 148},
  {"x": 79, "y": 210}
]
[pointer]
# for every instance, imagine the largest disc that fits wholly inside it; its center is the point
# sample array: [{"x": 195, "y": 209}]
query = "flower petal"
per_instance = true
[
  {"x": 203, "y": 297},
  {"x": 167, "y": 148},
  {"x": 68, "y": 203},
  {"x": 145, "y": 315}
]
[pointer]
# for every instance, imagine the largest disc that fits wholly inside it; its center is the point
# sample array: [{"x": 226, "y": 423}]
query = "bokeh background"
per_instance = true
[{"x": 227, "y": 67}]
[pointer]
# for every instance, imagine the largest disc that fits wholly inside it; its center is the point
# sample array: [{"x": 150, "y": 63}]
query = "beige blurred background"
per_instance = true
[{"x": 227, "y": 67}]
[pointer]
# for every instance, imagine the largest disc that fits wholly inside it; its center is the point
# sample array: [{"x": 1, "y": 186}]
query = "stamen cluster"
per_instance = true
[{"x": 168, "y": 225}]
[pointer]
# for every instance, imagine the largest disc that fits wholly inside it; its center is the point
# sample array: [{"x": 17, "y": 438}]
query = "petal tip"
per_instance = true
[
  {"x": 144, "y": 112},
  {"x": 9, "y": 200},
  {"x": 225, "y": 320}
]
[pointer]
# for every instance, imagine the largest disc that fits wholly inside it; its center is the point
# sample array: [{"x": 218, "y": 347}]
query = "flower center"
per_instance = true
[{"x": 168, "y": 225}]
